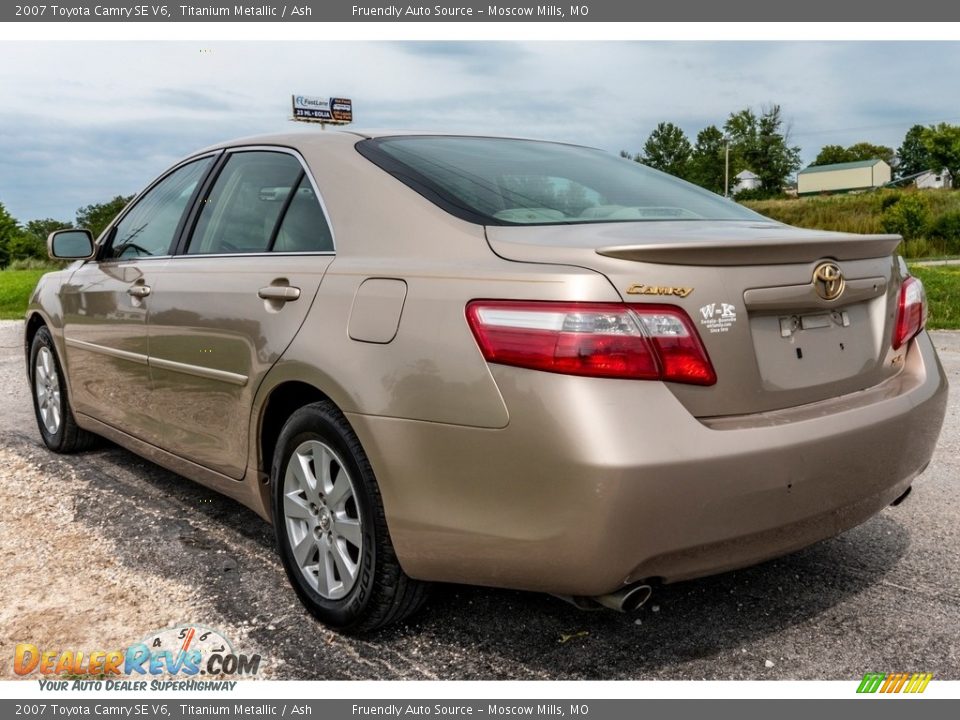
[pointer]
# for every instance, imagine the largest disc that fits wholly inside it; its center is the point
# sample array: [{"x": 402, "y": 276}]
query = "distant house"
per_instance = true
[
  {"x": 745, "y": 180},
  {"x": 843, "y": 177},
  {"x": 931, "y": 180}
]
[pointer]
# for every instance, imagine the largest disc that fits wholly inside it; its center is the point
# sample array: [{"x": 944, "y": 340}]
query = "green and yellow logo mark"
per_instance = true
[{"x": 894, "y": 682}]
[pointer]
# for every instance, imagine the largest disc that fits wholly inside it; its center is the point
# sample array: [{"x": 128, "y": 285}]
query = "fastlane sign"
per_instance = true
[{"x": 336, "y": 111}]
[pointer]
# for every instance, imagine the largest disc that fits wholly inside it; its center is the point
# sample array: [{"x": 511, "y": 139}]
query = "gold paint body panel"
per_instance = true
[{"x": 497, "y": 475}]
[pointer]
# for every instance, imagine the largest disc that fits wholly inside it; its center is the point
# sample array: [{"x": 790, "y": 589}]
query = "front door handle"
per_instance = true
[
  {"x": 281, "y": 293},
  {"x": 138, "y": 291}
]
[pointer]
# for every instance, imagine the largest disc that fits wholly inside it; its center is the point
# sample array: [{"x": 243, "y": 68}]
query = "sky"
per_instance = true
[{"x": 81, "y": 122}]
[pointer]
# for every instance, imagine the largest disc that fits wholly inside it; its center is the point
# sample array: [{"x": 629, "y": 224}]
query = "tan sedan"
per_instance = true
[{"x": 488, "y": 360}]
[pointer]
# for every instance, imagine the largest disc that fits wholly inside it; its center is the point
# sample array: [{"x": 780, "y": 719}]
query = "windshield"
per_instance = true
[{"x": 497, "y": 181}]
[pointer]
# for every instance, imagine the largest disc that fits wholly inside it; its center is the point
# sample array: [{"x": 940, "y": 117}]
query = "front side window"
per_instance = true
[
  {"x": 149, "y": 227},
  {"x": 242, "y": 211},
  {"x": 499, "y": 181}
]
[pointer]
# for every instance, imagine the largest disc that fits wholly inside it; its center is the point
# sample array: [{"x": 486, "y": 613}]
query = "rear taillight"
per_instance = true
[
  {"x": 641, "y": 342},
  {"x": 911, "y": 312}
]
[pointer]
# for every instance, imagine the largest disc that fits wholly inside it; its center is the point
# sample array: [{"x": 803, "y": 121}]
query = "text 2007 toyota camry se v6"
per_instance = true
[{"x": 485, "y": 360}]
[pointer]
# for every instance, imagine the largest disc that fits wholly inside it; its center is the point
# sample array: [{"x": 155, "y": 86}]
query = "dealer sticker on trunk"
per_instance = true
[{"x": 718, "y": 317}]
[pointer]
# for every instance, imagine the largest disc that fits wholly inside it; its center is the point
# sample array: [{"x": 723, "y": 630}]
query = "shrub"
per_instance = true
[
  {"x": 757, "y": 194},
  {"x": 946, "y": 229},
  {"x": 888, "y": 198},
  {"x": 907, "y": 217}
]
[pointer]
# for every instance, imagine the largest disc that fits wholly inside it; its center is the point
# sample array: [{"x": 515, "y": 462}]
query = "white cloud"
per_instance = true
[{"x": 81, "y": 122}]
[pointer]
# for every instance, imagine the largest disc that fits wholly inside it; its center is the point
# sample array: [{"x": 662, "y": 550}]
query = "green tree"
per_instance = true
[
  {"x": 869, "y": 151},
  {"x": 913, "y": 155},
  {"x": 32, "y": 241},
  {"x": 96, "y": 217},
  {"x": 761, "y": 144},
  {"x": 943, "y": 146},
  {"x": 707, "y": 162},
  {"x": 668, "y": 149},
  {"x": 9, "y": 231},
  {"x": 832, "y": 154}
]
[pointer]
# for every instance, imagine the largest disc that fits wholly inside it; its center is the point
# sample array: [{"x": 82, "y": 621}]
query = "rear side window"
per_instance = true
[
  {"x": 500, "y": 181},
  {"x": 261, "y": 201},
  {"x": 246, "y": 202},
  {"x": 304, "y": 227},
  {"x": 149, "y": 227}
]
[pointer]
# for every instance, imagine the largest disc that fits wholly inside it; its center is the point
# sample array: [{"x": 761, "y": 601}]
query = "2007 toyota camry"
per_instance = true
[{"x": 486, "y": 360}]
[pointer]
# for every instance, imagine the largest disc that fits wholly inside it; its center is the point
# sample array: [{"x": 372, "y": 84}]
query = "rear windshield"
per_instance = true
[{"x": 497, "y": 181}]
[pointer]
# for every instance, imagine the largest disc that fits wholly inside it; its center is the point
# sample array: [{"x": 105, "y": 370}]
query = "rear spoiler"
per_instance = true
[{"x": 758, "y": 252}]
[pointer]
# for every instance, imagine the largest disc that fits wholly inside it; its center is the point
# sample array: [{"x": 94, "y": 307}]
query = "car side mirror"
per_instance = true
[{"x": 70, "y": 245}]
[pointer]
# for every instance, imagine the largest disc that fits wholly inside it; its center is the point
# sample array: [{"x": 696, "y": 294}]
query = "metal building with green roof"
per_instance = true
[{"x": 843, "y": 177}]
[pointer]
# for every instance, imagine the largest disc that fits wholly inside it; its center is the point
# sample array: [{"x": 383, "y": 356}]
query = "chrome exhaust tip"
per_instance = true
[{"x": 626, "y": 600}]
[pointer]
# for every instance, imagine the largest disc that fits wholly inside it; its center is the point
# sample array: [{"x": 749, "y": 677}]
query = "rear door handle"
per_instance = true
[
  {"x": 138, "y": 291},
  {"x": 283, "y": 293}
]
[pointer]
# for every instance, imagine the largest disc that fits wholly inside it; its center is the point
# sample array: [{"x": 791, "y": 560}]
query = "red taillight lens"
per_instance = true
[
  {"x": 641, "y": 342},
  {"x": 911, "y": 312}
]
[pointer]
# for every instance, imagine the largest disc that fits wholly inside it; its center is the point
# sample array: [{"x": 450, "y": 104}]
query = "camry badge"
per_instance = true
[
  {"x": 659, "y": 290},
  {"x": 828, "y": 280}
]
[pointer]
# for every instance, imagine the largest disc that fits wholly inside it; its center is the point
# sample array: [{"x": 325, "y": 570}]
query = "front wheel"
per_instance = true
[
  {"x": 55, "y": 420},
  {"x": 330, "y": 526}
]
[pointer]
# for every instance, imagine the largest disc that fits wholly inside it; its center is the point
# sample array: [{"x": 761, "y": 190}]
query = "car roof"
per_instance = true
[{"x": 311, "y": 137}]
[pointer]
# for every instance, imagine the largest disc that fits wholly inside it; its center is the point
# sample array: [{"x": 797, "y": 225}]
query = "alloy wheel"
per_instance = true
[
  {"x": 322, "y": 519},
  {"x": 46, "y": 386}
]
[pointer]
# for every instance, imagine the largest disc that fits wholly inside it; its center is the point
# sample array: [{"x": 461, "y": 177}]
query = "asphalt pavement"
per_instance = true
[{"x": 883, "y": 597}]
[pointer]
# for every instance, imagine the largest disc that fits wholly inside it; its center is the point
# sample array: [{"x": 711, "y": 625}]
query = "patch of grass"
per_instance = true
[
  {"x": 934, "y": 232},
  {"x": 36, "y": 264},
  {"x": 843, "y": 213},
  {"x": 942, "y": 283},
  {"x": 16, "y": 286}
]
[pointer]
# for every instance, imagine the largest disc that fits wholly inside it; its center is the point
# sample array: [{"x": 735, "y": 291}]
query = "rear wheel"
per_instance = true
[
  {"x": 55, "y": 420},
  {"x": 330, "y": 526}
]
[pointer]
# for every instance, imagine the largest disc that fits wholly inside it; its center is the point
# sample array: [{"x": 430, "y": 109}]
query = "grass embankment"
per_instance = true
[
  {"x": 16, "y": 286},
  {"x": 929, "y": 219},
  {"x": 843, "y": 213}
]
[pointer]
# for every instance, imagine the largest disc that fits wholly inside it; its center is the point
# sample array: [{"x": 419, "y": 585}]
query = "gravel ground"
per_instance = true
[
  {"x": 106, "y": 546},
  {"x": 88, "y": 598}
]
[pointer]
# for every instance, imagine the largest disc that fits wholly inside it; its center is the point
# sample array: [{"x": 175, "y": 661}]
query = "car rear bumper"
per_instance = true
[{"x": 596, "y": 483}]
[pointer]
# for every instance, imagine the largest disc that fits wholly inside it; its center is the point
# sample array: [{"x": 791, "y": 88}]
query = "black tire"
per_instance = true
[
  {"x": 68, "y": 437},
  {"x": 382, "y": 593}
]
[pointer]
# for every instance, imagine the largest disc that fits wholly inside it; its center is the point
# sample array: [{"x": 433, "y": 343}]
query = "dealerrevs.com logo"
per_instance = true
[{"x": 186, "y": 651}]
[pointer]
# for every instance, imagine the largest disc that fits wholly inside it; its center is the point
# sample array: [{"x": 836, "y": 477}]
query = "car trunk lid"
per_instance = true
[{"x": 774, "y": 339}]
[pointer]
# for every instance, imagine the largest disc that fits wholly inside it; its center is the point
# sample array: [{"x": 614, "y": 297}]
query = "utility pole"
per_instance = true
[{"x": 726, "y": 167}]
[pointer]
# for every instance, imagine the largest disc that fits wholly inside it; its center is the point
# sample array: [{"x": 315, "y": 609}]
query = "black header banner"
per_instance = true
[{"x": 737, "y": 11}]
